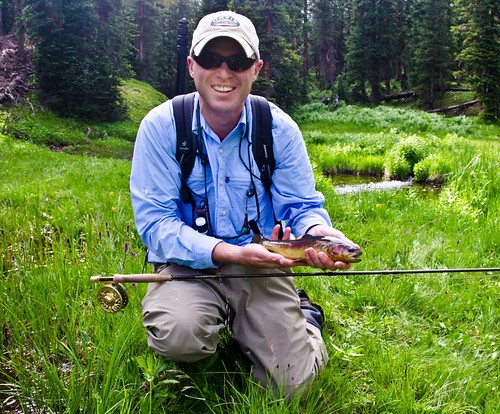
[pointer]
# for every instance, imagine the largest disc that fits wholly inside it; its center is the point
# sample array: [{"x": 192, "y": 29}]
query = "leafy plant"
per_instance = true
[{"x": 403, "y": 157}]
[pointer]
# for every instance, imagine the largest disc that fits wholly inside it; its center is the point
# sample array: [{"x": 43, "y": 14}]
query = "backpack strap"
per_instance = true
[
  {"x": 186, "y": 151},
  {"x": 262, "y": 139},
  {"x": 262, "y": 147}
]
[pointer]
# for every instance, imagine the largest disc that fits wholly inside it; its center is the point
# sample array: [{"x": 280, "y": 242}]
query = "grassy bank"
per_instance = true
[{"x": 401, "y": 344}]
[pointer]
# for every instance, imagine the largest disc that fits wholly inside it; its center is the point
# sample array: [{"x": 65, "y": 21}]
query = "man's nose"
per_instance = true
[{"x": 224, "y": 68}]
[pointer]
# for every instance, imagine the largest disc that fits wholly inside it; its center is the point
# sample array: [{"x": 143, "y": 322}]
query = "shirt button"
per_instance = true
[
  {"x": 223, "y": 213},
  {"x": 221, "y": 150},
  {"x": 227, "y": 179}
]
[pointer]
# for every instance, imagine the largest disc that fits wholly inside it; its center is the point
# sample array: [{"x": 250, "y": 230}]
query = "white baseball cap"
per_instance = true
[{"x": 226, "y": 24}]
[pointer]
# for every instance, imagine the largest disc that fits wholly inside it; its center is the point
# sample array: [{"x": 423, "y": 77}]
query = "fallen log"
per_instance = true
[
  {"x": 455, "y": 108},
  {"x": 402, "y": 95},
  {"x": 458, "y": 89}
]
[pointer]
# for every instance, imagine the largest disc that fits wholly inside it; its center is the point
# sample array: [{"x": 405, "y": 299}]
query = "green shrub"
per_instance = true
[
  {"x": 434, "y": 169},
  {"x": 403, "y": 157},
  {"x": 398, "y": 167}
]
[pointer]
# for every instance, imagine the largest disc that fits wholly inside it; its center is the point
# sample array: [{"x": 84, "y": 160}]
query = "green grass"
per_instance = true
[
  {"x": 400, "y": 344},
  {"x": 350, "y": 118},
  {"x": 33, "y": 123},
  {"x": 392, "y": 142}
]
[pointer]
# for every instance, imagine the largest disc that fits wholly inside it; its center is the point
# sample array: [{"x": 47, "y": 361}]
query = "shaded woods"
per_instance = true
[{"x": 352, "y": 50}]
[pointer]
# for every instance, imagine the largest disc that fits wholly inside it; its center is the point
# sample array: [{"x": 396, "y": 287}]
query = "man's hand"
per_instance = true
[
  {"x": 321, "y": 260},
  {"x": 253, "y": 254}
]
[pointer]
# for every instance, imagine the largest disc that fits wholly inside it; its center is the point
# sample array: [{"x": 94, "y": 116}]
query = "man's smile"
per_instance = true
[{"x": 220, "y": 88}]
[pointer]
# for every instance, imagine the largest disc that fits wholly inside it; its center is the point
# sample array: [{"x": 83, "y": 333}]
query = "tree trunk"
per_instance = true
[
  {"x": 268, "y": 30},
  {"x": 139, "y": 57},
  {"x": 306, "y": 38},
  {"x": 21, "y": 31},
  {"x": 376, "y": 93}
]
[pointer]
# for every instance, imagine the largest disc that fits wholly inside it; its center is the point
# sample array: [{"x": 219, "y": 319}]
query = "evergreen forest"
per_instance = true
[{"x": 356, "y": 51}]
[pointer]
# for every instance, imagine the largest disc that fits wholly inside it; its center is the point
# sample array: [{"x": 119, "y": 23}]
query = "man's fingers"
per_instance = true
[
  {"x": 322, "y": 261},
  {"x": 276, "y": 231}
]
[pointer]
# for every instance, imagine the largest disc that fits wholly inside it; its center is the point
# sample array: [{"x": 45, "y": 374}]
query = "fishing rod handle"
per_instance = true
[{"x": 133, "y": 278}]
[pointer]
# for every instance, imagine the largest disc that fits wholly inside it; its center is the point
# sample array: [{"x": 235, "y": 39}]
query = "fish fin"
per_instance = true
[{"x": 309, "y": 236}]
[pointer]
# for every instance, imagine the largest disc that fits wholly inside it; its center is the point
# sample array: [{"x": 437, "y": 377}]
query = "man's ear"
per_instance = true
[
  {"x": 190, "y": 63},
  {"x": 257, "y": 68}
]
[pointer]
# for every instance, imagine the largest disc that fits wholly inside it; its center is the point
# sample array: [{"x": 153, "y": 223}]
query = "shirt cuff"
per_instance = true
[
  {"x": 310, "y": 227},
  {"x": 307, "y": 224},
  {"x": 203, "y": 252}
]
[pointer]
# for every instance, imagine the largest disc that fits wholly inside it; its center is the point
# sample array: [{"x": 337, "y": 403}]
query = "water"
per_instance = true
[
  {"x": 354, "y": 184},
  {"x": 372, "y": 186}
]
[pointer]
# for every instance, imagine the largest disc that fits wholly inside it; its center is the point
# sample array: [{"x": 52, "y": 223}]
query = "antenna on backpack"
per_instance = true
[{"x": 182, "y": 53}]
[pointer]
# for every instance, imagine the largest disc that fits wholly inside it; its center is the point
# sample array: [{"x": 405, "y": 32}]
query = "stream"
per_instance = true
[{"x": 353, "y": 184}]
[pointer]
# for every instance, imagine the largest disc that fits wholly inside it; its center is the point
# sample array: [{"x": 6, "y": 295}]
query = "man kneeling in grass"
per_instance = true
[{"x": 276, "y": 326}]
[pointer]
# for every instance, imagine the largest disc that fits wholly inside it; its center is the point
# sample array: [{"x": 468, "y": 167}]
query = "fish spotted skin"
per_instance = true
[{"x": 335, "y": 248}]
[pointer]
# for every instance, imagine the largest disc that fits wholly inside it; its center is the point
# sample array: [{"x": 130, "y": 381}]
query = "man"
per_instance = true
[{"x": 275, "y": 325}]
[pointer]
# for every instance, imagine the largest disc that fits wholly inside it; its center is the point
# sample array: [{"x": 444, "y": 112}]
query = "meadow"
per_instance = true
[{"x": 397, "y": 344}]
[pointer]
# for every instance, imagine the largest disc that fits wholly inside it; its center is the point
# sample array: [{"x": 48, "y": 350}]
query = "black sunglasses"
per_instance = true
[{"x": 237, "y": 63}]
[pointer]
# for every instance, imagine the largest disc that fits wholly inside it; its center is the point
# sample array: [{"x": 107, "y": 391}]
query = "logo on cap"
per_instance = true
[{"x": 225, "y": 21}]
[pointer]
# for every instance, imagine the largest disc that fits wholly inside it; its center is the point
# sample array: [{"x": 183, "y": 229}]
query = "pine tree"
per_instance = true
[
  {"x": 279, "y": 26},
  {"x": 328, "y": 39},
  {"x": 371, "y": 47},
  {"x": 430, "y": 44},
  {"x": 74, "y": 73},
  {"x": 481, "y": 52},
  {"x": 7, "y": 16},
  {"x": 149, "y": 19},
  {"x": 357, "y": 55},
  {"x": 163, "y": 59},
  {"x": 401, "y": 55},
  {"x": 211, "y": 6}
]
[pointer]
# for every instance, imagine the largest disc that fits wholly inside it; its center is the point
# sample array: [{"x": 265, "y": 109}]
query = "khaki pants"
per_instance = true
[{"x": 184, "y": 318}]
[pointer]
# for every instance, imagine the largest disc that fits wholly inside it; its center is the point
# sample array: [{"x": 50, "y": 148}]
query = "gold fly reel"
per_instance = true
[{"x": 112, "y": 297}]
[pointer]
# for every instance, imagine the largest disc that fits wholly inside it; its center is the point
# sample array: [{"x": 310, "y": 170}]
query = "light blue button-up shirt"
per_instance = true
[{"x": 164, "y": 221}]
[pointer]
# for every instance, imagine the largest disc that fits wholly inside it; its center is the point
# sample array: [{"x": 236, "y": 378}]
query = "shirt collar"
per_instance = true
[{"x": 239, "y": 129}]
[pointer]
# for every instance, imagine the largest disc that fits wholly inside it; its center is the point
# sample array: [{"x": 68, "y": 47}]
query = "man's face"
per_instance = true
[{"x": 222, "y": 90}]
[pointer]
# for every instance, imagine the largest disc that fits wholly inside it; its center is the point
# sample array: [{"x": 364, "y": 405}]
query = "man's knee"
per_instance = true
[
  {"x": 183, "y": 338},
  {"x": 294, "y": 379}
]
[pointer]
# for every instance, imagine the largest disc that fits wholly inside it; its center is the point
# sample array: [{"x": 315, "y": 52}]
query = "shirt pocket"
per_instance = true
[
  {"x": 245, "y": 197},
  {"x": 199, "y": 182}
]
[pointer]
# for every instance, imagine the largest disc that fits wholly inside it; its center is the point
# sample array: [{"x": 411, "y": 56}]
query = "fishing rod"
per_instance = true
[{"x": 113, "y": 297}]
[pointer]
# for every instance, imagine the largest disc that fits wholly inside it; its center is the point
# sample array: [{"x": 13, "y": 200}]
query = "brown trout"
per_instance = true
[{"x": 335, "y": 248}]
